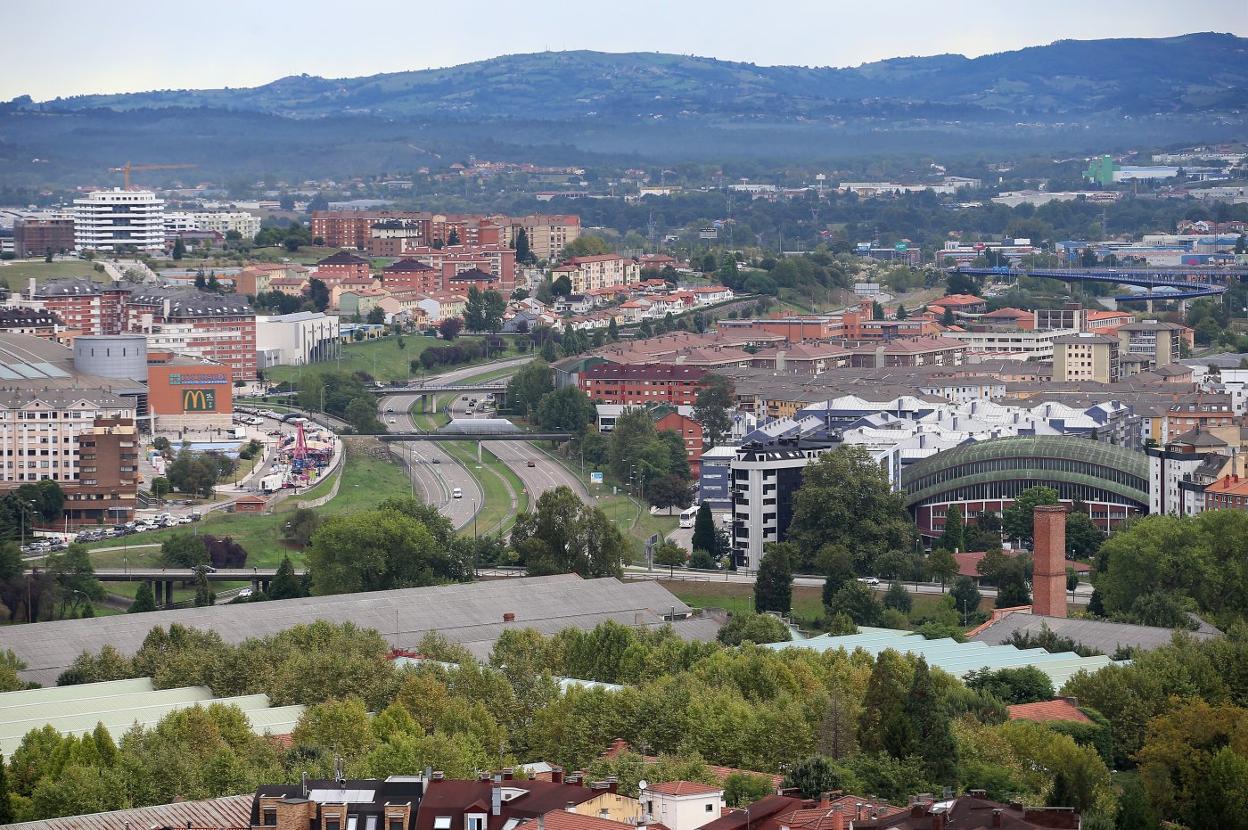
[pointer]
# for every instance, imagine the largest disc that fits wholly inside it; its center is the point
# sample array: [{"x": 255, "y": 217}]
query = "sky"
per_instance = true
[{"x": 53, "y": 48}]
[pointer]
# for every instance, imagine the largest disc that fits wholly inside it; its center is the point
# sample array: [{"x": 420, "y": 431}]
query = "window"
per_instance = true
[
  {"x": 396, "y": 824},
  {"x": 333, "y": 824},
  {"x": 270, "y": 818},
  {"x": 439, "y": 823},
  {"x": 474, "y": 821},
  {"x": 710, "y": 807}
]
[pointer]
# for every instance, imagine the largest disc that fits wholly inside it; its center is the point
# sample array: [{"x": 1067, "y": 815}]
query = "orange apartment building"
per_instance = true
[{"x": 690, "y": 432}]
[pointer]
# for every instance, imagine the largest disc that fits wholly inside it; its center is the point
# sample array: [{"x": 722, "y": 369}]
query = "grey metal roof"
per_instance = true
[
  {"x": 231, "y": 811},
  {"x": 1105, "y": 637},
  {"x": 470, "y": 613}
]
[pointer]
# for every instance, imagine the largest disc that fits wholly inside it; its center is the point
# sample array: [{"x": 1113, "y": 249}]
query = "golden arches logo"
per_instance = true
[{"x": 199, "y": 400}]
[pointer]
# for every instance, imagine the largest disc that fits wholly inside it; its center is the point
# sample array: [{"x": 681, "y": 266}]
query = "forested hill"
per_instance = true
[{"x": 1179, "y": 75}]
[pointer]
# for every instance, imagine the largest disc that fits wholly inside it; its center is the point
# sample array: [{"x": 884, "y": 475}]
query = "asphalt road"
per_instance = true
[{"x": 434, "y": 473}]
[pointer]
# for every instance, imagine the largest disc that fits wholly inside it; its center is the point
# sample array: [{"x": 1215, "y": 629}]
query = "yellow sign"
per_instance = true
[{"x": 199, "y": 400}]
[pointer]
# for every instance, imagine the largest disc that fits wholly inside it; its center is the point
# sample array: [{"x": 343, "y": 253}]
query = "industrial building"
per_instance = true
[{"x": 296, "y": 339}]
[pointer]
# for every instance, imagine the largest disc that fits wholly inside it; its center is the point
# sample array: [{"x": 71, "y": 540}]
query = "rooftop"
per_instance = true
[
  {"x": 469, "y": 613},
  {"x": 231, "y": 812},
  {"x": 1106, "y": 637},
  {"x": 1043, "y": 711},
  {"x": 683, "y": 788}
]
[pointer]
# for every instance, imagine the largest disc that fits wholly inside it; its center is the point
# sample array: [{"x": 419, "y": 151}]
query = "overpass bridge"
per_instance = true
[
  {"x": 475, "y": 436},
  {"x": 1187, "y": 282}
]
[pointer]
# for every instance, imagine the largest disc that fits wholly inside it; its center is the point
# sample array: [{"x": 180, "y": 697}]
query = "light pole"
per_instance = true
[{"x": 474, "y": 520}]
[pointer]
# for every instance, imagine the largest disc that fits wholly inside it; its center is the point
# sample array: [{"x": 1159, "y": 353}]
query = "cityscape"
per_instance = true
[{"x": 680, "y": 428}]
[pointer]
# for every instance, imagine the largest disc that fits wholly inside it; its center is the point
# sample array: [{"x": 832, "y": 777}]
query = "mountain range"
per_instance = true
[{"x": 1070, "y": 95}]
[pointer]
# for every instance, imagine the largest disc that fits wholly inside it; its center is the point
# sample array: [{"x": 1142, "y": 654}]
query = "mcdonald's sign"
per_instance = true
[{"x": 199, "y": 400}]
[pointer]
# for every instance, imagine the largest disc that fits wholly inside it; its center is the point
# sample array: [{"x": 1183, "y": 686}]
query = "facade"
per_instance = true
[
  {"x": 681, "y": 805},
  {"x": 548, "y": 234},
  {"x": 1082, "y": 357},
  {"x": 37, "y": 322},
  {"x": 341, "y": 266},
  {"x": 645, "y": 384},
  {"x": 987, "y": 476},
  {"x": 591, "y": 273},
  {"x": 42, "y": 234},
  {"x": 83, "y": 439},
  {"x": 1011, "y": 343},
  {"x": 690, "y": 432},
  {"x": 296, "y": 339},
  {"x": 412, "y": 273},
  {"x": 1157, "y": 341},
  {"x": 83, "y": 305},
  {"x": 216, "y": 327},
  {"x": 765, "y": 478},
  {"x": 115, "y": 220},
  {"x": 188, "y": 394},
  {"x": 221, "y": 222}
]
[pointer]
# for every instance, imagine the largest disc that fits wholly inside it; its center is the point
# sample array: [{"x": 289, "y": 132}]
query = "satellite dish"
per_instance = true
[{"x": 641, "y": 785}]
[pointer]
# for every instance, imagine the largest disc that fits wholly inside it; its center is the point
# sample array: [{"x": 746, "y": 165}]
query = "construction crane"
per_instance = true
[{"x": 126, "y": 170}]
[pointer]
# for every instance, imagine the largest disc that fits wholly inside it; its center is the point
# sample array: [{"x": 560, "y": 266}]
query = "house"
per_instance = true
[
  {"x": 371, "y": 804},
  {"x": 500, "y": 803},
  {"x": 440, "y": 306},
  {"x": 681, "y": 805},
  {"x": 964, "y": 304},
  {"x": 573, "y": 304},
  {"x": 341, "y": 266},
  {"x": 251, "y": 504},
  {"x": 634, "y": 311},
  {"x": 711, "y": 294}
]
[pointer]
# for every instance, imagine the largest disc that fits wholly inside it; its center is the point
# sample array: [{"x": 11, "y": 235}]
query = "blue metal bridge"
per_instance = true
[{"x": 1183, "y": 283}]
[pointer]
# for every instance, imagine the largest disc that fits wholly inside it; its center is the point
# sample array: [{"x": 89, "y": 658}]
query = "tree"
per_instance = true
[
  {"x": 528, "y": 387},
  {"x": 566, "y": 410},
  {"x": 898, "y": 598},
  {"x": 901, "y": 313},
  {"x": 285, "y": 584},
  {"x": 702, "y": 560},
  {"x": 524, "y": 253},
  {"x": 338, "y": 727},
  {"x": 715, "y": 399},
  {"x": 375, "y": 550},
  {"x": 741, "y": 788},
  {"x": 6, "y": 802},
  {"x": 144, "y": 599},
  {"x": 561, "y": 286},
  {"x": 179, "y": 249},
  {"x": 453, "y": 237},
  {"x": 773, "y": 586},
  {"x": 564, "y": 535},
  {"x": 1083, "y": 537},
  {"x": 952, "y": 538},
  {"x": 933, "y": 731},
  {"x": 1025, "y": 684},
  {"x": 669, "y": 554},
  {"x": 816, "y": 775},
  {"x": 883, "y": 725},
  {"x": 754, "y": 627},
  {"x": 586, "y": 245},
  {"x": 703, "y": 530},
  {"x": 846, "y": 499},
  {"x": 450, "y": 327},
  {"x": 301, "y": 526},
  {"x": 79, "y": 790},
  {"x": 669, "y": 491},
  {"x": 966, "y": 597},
  {"x": 75, "y": 579},
  {"x": 183, "y": 550},
  {"x": 613, "y": 330},
  {"x": 856, "y": 601},
  {"x": 942, "y": 566},
  {"x": 376, "y": 315},
  {"x": 1018, "y": 519},
  {"x": 1012, "y": 590}
]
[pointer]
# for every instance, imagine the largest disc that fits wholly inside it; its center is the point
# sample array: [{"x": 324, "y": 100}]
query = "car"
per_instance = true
[
  {"x": 391, "y": 421},
  {"x": 436, "y": 461},
  {"x": 185, "y": 520},
  {"x": 244, "y": 593},
  {"x": 389, "y": 409},
  {"x": 531, "y": 463},
  {"x": 868, "y": 580},
  {"x": 457, "y": 493},
  {"x": 194, "y": 516}
]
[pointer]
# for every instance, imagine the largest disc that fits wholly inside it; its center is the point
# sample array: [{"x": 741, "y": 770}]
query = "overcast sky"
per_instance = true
[{"x": 67, "y": 47}]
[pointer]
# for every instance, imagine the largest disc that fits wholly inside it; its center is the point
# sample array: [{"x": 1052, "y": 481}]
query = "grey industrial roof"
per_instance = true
[
  {"x": 231, "y": 811},
  {"x": 470, "y": 613},
  {"x": 1105, "y": 637}
]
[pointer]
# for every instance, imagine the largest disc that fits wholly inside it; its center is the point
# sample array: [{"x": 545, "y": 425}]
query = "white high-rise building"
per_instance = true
[{"x": 108, "y": 220}]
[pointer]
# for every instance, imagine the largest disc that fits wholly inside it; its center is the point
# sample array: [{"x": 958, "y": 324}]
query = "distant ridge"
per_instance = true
[{"x": 1188, "y": 73}]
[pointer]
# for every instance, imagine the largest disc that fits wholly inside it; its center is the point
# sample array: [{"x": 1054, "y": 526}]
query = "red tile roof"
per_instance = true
[
  {"x": 1048, "y": 710},
  {"x": 563, "y": 820},
  {"x": 680, "y": 788}
]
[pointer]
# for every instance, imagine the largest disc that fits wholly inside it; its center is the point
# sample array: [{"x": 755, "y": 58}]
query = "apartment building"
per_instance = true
[
  {"x": 1011, "y": 343},
  {"x": 40, "y": 234},
  {"x": 673, "y": 384},
  {"x": 216, "y": 327},
  {"x": 690, "y": 432},
  {"x": 548, "y": 234},
  {"x": 1158, "y": 342},
  {"x": 36, "y": 322},
  {"x": 83, "y": 305},
  {"x": 222, "y": 222},
  {"x": 764, "y": 479},
  {"x": 115, "y": 220},
  {"x": 591, "y": 273},
  {"x": 412, "y": 273},
  {"x": 1086, "y": 356},
  {"x": 341, "y": 266}
]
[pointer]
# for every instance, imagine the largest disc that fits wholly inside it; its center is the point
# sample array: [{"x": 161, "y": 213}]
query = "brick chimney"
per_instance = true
[
  {"x": 838, "y": 820},
  {"x": 1048, "y": 581}
]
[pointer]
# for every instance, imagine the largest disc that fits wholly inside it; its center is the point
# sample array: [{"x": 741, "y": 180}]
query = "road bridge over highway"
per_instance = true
[{"x": 1186, "y": 282}]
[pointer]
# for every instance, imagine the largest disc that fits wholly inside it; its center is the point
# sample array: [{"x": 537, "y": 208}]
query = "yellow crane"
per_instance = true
[{"x": 128, "y": 167}]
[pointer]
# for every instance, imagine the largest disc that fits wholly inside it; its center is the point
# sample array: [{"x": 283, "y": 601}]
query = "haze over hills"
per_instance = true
[{"x": 1079, "y": 96}]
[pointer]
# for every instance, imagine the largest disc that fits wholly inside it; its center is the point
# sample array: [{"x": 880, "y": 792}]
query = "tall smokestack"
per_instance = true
[{"x": 1048, "y": 580}]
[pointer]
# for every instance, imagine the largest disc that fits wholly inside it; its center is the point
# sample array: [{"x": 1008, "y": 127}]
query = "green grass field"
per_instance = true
[
  {"x": 17, "y": 273},
  {"x": 381, "y": 358}
]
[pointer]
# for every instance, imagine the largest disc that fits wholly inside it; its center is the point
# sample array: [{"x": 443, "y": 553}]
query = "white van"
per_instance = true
[{"x": 688, "y": 517}]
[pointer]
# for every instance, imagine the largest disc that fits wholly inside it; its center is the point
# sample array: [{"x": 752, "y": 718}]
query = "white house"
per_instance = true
[{"x": 681, "y": 805}]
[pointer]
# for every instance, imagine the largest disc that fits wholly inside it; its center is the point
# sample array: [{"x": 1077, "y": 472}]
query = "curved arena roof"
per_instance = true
[{"x": 1035, "y": 459}]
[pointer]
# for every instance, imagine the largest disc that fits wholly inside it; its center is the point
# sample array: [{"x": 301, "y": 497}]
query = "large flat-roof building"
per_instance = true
[
  {"x": 118, "y": 220},
  {"x": 296, "y": 339}
]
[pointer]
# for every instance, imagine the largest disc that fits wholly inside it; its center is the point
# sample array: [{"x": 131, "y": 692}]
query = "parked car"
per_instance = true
[{"x": 868, "y": 580}]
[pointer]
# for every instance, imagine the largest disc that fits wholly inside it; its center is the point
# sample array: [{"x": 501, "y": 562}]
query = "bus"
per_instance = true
[{"x": 687, "y": 517}]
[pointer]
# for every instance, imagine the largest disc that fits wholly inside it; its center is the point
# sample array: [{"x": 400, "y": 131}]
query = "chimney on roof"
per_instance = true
[
  {"x": 508, "y": 773},
  {"x": 438, "y": 775},
  {"x": 838, "y": 820},
  {"x": 997, "y": 814},
  {"x": 509, "y": 616},
  {"x": 570, "y": 806},
  {"x": 938, "y": 820},
  {"x": 556, "y": 775},
  {"x": 496, "y": 799},
  {"x": 613, "y": 784}
]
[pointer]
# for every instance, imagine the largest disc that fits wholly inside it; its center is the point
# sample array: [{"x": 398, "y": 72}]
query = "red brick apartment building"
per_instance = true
[
  {"x": 83, "y": 305},
  {"x": 411, "y": 273},
  {"x": 343, "y": 265},
  {"x": 645, "y": 384},
  {"x": 691, "y": 435},
  {"x": 219, "y": 327},
  {"x": 386, "y": 232},
  {"x": 39, "y": 235}
]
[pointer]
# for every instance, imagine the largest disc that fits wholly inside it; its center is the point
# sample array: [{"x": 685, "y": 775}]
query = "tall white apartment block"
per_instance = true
[{"x": 109, "y": 220}]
